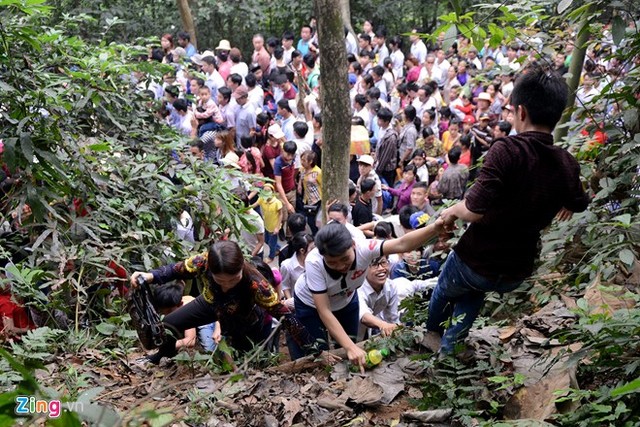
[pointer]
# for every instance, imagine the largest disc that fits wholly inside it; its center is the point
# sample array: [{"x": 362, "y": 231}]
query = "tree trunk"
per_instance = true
[
  {"x": 336, "y": 111},
  {"x": 345, "y": 13},
  {"x": 575, "y": 69},
  {"x": 187, "y": 20}
]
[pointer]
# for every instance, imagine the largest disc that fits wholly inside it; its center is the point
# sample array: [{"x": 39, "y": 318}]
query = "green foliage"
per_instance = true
[
  {"x": 610, "y": 379},
  {"x": 95, "y": 166},
  {"x": 477, "y": 390}
]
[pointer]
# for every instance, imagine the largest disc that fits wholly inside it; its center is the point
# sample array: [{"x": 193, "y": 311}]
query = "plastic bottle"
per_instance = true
[{"x": 375, "y": 356}]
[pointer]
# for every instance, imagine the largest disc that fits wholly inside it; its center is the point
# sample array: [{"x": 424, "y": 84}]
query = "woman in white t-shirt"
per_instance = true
[{"x": 325, "y": 296}]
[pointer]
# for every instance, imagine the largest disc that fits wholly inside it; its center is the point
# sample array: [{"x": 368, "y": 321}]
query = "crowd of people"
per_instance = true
[{"x": 423, "y": 118}]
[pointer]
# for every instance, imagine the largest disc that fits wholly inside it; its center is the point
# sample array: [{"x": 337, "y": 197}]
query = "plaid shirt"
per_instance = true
[{"x": 312, "y": 183}]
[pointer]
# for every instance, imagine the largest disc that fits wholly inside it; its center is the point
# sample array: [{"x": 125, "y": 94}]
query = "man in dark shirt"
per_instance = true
[
  {"x": 361, "y": 212},
  {"x": 524, "y": 183},
  {"x": 284, "y": 173},
  {"x": 387, "y": 148}
]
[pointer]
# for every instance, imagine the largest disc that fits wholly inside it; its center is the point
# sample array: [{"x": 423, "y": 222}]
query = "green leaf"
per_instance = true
[
  {"x": 564, "y": 5},
  {"x": 28, "y": 379},
  {"x": 106, "y": 328},
  {"x": 104, "y": 146},
  {"x": 627, "y": 257},
  {"x": 26, "y": 144},
  {"x": 618, "y": 29},
  {"x": 624, "y": 219},
  {"x": 631, "y": 387}
]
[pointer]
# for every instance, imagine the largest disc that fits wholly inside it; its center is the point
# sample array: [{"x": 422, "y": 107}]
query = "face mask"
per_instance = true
[{"x": 223, "y": 56}]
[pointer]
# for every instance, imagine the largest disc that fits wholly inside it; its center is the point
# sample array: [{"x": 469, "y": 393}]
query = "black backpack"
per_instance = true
[{"x": 144, "y": 317}]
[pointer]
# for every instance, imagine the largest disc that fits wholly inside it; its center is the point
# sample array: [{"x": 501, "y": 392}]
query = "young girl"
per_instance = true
[
  {"x": 452, "y": 136},
  {"x": 167, "y": 47},
  {"x": 292, "y": 268},
  {"x": 419, "y": 160},
  {"x": 403, "y": 193},
  {"x": 273, "y": 215},
  {"x": 434, "y": 154},
  {"x": 311, "y": 185},
  {"x": 224, "y": 144},
  {"x": 207, "y": 112}
]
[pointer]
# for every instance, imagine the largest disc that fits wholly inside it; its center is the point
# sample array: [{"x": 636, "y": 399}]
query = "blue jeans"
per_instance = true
[
  {"x": 205, "y": 335},
  {"x": 272, "y": 242},
  {"x": 348, "y": 317},
  {"x": 460, "y": 293}
]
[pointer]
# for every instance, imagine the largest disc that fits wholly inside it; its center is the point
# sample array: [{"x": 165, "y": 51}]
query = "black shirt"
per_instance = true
[
  {"x": 524, "y": 181},
  {"x": 361, "y": 212}
]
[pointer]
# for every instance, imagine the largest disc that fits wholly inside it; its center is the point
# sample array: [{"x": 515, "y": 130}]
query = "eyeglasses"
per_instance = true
[{"x": 380, "y": 262}]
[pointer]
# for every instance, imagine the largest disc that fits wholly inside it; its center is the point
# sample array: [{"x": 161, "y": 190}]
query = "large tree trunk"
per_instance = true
[
  {"x": 345, "y": 13},
  {"x": 575, "y": 69},
  {"x": 336, "y": 111},
  {"x": 187, "y": 20}
]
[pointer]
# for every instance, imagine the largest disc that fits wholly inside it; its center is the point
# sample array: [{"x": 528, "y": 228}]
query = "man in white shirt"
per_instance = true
[
  {"x": 378, "y": 300},
  {"x": 214, "y": 80},
  {"x": 588, "y": 91},
  {"x": 424, "y": 101},
  {"x": 339, "y": 212},
  {"x": 380, "y": 46},
  {"x": 228, "y": 107},
  {"x": 443, "y": 64},
  {"x": 418, "y": 48},
  {"x": 429, "y": 71},
  {"x": 472, "y": 58}
]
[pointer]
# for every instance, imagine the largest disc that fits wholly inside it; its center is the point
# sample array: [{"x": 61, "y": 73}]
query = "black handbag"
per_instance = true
[
  {"x": 311, "y": 210},
  {"x": 144, "y": 317}
]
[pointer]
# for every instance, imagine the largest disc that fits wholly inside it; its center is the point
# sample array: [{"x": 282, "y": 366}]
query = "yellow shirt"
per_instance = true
[
  {"x": 447, "y": 141},
  {"x": 270, "y": 212}
]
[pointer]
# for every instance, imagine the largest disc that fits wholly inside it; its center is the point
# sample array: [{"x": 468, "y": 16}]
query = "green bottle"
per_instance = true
[{"x": 375, "y": 356}]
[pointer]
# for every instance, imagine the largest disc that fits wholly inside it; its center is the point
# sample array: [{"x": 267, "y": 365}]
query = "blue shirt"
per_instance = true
[
  {"x": 427, "y": 269},
  {"x": 287, "y": 128},
  {"x": 191, "y": 50},
  {"x": 245, "y": 121},
  {"x": 303, "y": 47}
]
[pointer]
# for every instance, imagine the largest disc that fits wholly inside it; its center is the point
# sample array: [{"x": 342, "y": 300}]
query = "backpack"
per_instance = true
[{"x": 144, "y": 317}]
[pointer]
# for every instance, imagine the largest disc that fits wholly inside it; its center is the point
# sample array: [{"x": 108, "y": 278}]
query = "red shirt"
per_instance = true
[
  {"x": 290, "y": 94},
  {"x": 269, "y": 153},
  {"x": 8, "y": 308},
  {"x": 465, "y": 159}
]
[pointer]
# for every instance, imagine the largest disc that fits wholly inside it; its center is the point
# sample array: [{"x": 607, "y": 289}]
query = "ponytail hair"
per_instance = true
[{"x": 301, "y": 241}]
